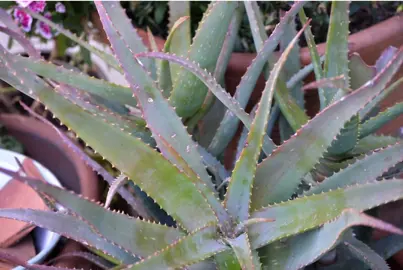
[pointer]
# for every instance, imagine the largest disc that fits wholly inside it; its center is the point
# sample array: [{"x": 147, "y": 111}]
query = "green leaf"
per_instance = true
[
  {"x": 388, "y": 245},
  {"x": 372, "y": 142},
  {"x": 237, "y": 199},
  {"x": 165, "y": 79},
  {"x": 229, "y": 124},
  {"x": 313, "y": 51},
  {"x": 278, "y": 176},
  {"x": 227, "y": 260},
  {"x": 292, "y": 66},
  {"x": 109, "y": 59},
  {"x": 139, "y": 164},
  {"x": 119, "y": 95},
  {"x": 189, "y": 92},
  {"x": 134, "y": 235},
  {"x": 243, "y": 252},
  {"x": 370, "y": 167},
  {"x": 375, "y": 123},
  {"x": 70, "y": 227},
  {"x": 180, "y": 38},
  {"x": 336, "y": 62},
  {"x": 190, "y": 249},
  {"x": 153, "y": 64},
  {"x": 293, "y": 252},
  {"x": 216, "y": 89},
  {"x": 347, "y": 139},
  {"x": 365, "y": 254},
  {"x": 360, "y": 72},
  {"x": 171, "y": 136},
  {"x": 302, "y": 214}
]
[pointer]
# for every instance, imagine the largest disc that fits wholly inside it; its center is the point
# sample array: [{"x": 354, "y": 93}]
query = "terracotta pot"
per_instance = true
[{"x": 43, "y": 144}]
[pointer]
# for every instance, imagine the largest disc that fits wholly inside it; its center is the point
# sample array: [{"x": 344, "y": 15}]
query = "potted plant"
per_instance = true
[{"x": 324, "y": 212}]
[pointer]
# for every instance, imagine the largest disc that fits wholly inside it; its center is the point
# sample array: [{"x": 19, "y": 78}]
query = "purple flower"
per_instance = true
[
  {"x": 60, "y": 7},
  {"x": 23, "y": 3},
  {"x": 23, "y": 18},
  {"x": 44, "y": 29},
  {"x": 37, "y": 6}
]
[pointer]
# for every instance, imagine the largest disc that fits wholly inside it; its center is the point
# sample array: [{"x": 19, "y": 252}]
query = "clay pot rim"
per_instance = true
[{"x": 21, "y": 123}]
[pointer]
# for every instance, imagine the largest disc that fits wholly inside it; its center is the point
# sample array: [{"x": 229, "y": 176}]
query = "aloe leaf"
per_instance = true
[
  {"x": 219, "y": 72},
  {"x": 188, "y": 91},
  {"x": 134, "y": 235},
  {"x": 118, "y": 183},
  {"x": 347, "y": 139},
  {"x": 70, "y": 227},
  {"x": 165, "y": 78},
  {"x": 109, "y": 59},
  {"x": 370, "y": 167},
  {"x": 227, "y": 260},
  {"x": 360, "y": 72},
  {"x": 214, "y": 166},
  {"x": 388, "y": 246},
  {"x": 237, "y": 198},
  {"x": 365, "y": 254},
  {"x": 188, "y": 250},
  {"x": 167, "y": 128},
  {"x": 139, "y": 164},
  {"x": 243, "y": 252},
  {"x": 96, "y": 167},
  {"x": 373, "y": 142},
  {"x": 278, "y": 176},
  {"x": 153, "y": 65},
  {"x": 293, "y": 254},
  {"x": 313, "y": 51},
  {"x": 292, "y": 66},
  {"x": 375, "y": 123},
  {"x": 228, "y": 125},
  {"x": 214, "y": 87},
  {"x": 302, "y": 214},
  {"x": 30, "y": 49},
  {"x": 180, "y": 39},
  {"x": 336, "y": 62},
  {"x": 17, "y": 261},
  {"x": 118, "y": 94}
]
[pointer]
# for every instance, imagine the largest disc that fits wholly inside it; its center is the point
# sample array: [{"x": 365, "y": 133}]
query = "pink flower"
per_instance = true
[
  {"x": 23, "y": 18},
  {"x": 44, "y": 29},
  {"x": 23, "y": 3},
  {"x": 37, "y": 6},
  {"x": 60, "y": 7}
]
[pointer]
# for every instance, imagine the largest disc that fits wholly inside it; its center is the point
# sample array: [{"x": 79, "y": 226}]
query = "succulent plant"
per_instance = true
[{"x": 282, "y": 206}]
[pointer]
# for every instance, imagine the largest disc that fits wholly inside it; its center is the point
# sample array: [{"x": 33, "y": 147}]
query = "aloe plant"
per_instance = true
[{"x": 304, "y": 201}]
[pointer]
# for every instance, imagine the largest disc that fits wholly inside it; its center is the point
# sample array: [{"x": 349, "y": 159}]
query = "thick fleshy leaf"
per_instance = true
[
  {"x": 28, "y": 47},
  {"x": 217, "y": 112},
  {"x": 216, "y": 89},
  {"x": 228, "y": 125},
  {"x": 71, "y": 227},
  {"x": 365, "y": 254},
  {"x": 118, "y": 94},
  {"x": 188, "y": 250},
  {"x": 278, "y": 176},
  {"x": 386, "y": 56},
  {"x": 139, "y": 164},
  {"x": 293, "y": 252},
  {"x": 133, "y": 201},
  {"x": 388, "y": 246},
  {"x": 237, "y": 198},
  {"x": 109, "y": 59},
  {"x": 134, "y": 235},
  {"x": 165, "y": 77},
  {"x": 302, "y": 214},
  {"x": 375, "y": 123},
  {"x": 243, "y": 252},
  {"x": 180, "y": 39},
  {"x": 313, "y": 51},
  {"x": 362, "y": 170},
  {"x": 372, "y": 142},
  {"x": 360, "y": 72},
  {"x": 170, "y": 134},
  {"x": 88, "y": 256},
  {"x": 152, "y": 66},
  {"x": 227, "y": 260},
  {"x": 189, "y": 92},
  {"x": 336, "y": 62}
]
